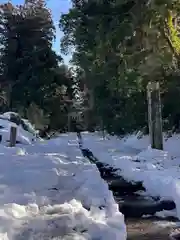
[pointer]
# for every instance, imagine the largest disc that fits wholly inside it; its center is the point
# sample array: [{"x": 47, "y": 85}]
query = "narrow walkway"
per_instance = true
[{"x": 138, "y": 228}]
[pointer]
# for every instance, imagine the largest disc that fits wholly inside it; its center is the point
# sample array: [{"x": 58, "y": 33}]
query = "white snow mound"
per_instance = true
[{"x": 49, "y": 191}]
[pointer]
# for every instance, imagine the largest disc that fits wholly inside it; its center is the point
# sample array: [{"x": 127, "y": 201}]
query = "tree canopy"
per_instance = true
[
  {"x": 31, "y": 72},
  {"x": 120, "y": 46}
]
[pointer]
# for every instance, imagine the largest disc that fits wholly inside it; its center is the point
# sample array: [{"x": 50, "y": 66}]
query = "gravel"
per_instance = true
[{"x": 146, "y": 229}]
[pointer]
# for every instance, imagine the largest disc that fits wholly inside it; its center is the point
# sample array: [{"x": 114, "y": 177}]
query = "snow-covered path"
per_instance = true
[
  {"x": 49, "y": 191},
  {"x": 158, "y": 171}
]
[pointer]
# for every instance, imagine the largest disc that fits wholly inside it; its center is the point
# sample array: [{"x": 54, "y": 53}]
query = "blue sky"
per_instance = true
[{"x": 57, "y": 7}]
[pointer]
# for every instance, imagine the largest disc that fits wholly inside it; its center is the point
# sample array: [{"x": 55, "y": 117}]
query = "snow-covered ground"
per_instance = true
[
  {"x": 158, "y": 170},
  {"x": 49, "y": 191},
  {"x": 23, "y": 136}
]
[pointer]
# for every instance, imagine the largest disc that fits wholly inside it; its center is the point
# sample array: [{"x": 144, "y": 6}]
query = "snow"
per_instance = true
[
  {"x": 165, "y": 224},
  {"x": 23, "y": 137},
  {"x": 159, "y": 171},
  {"x": 49, "y": 191}
]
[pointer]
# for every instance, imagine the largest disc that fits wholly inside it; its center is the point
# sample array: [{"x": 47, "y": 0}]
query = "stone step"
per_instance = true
[
  {"x": 138, "y": 208},
  {"x": 121, "y": 186},
  {"x": 132, "y": 205}
]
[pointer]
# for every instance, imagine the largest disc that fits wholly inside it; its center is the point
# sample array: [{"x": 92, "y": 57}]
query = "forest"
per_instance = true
[{"x": 117, "y": 48}]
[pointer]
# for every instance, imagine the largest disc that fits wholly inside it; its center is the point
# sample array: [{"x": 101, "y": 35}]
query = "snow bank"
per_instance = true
[
  {"x": 64, "y": 221},
  {"x": 158, "y": 170},
  {"x": 23, "y": 136},
  {"x": 142, "y": 142},
  {"x": 49, "y": 191}
]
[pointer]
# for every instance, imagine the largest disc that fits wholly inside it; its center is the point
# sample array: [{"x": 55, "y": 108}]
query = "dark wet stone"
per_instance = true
[
  {"x": 168, "y": 205},
  {"x": 140, "y": 207},
  {"x": 87, "y": 153},
  {"x": 101, "y": 165},
  {"x": 106, "y": 174},
  {"x": 123, "y": 186},
  {"x": 111, "y": 178}
]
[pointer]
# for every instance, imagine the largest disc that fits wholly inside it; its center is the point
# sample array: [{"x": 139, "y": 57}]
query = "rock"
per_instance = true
[
  {"x": 87, "y": 153},
  {"x": 138, "y": 208},
  {"x": 122, "y": 186},
  {"x": 106, "y": 174},
  {"x": 168, "y": 205},
  {"x": 101, "y": 165},
  {"x": 114, "y": 176}
]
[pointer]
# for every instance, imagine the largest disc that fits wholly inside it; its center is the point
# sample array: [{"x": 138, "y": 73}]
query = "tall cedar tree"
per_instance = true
[
  {"x": 30, "y": 71},
  {"x": 28, "y": 61},
  {"x": 120, "y": 46}
]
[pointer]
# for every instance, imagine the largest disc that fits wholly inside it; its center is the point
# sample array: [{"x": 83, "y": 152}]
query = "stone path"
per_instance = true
[
  {"x": 137, "y": 228},
  {"x": 145, "y": 229}
]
